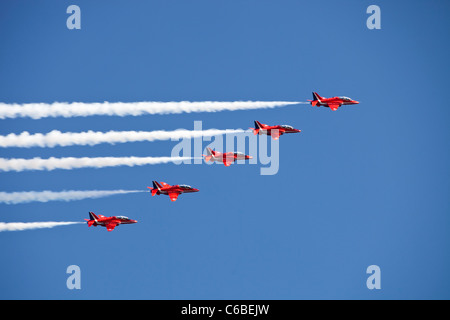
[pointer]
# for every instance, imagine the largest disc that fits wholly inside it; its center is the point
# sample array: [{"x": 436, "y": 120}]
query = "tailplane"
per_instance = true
[
  {"x": 156, "y": 188},
  {"x": 90, "y": 222}
]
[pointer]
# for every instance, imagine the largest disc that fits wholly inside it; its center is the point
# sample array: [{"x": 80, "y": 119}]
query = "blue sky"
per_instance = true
[{"x": 365, "y": 185}]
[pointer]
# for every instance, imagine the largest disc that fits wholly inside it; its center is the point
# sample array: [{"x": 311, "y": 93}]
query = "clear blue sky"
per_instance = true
[{"x": 365, "y": 185}]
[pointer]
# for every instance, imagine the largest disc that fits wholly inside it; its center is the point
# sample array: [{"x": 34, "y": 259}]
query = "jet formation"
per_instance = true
[{"x": 227, "y": 158}]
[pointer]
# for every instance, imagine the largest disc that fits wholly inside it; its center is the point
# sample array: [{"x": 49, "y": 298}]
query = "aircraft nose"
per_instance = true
[
  {"x": 195, "y": 190},
  {"x": 355, "y": 102},
  {"x": 248, "y": 157}
]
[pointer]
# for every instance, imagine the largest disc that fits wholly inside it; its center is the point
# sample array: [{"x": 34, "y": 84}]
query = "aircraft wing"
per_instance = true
[
  {"x": 173, "y": 196},
  {"x": 110, "y": 226},
  {"x": 276, "y": 134},
  {"x": 164, "y": 184},
  {"x": 228, "y": 160},
  {"x": 334, "y": 106}
]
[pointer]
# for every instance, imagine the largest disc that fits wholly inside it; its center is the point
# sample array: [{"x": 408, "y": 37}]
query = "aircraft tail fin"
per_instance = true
[
  {"x": 93, "y": 216},
  {"x": 209, "y": 154},
  {"x": 156, "y": 185},
  {"x": 316, "y": 99},
  {"x": 316, "y": 96},
  {"x": 89, "y": 222},
  {"x": 258, "y": 125}
]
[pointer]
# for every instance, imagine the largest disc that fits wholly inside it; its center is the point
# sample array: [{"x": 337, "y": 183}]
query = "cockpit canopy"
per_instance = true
[
  {"x": 345, "y": 98},
  {"x": 239, "y": 153},
  {"x": 122, "y": 218},
  {"x": 185, "y": 186},
  {"x": 285, "y": 126}
]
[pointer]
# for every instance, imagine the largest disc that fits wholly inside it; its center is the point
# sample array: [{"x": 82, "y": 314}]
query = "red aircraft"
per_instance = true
[
  {"x": 274, "y": 131},
  {"x": 333, "y": 103},
  {"x": 109, "y": 222},
  {"x": 227, "y": 158},
  {"x": 172, "y": 191}
]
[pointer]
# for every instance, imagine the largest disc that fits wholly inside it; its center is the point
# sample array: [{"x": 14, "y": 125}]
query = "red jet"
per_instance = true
[
  {"x": 274, "y": 131},
  {"x": 227, "y": 158},
  {"x": 109, "y": 222},
  {"x": 172, "y": 191},
  {"x": 333, "y": 103}
]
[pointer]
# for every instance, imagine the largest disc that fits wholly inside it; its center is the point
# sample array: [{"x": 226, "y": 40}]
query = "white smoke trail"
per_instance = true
[
  {"x": 82, "y": 109},
  {"x": 85, "y": 162},
  {"x": 20, "y": 226},
  {"x": 69, "y": 195},
  {"x": 58, "y": 138}
]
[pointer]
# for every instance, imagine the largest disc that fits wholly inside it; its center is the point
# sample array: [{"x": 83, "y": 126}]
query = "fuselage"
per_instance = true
[
  {"x": 281, "y": 128},
  {"x": 340, "y": 100},
  {"x": 177, "y": 189},
  {"x": 109, "y": 222},
  {"x": 333, "y": 103}
]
